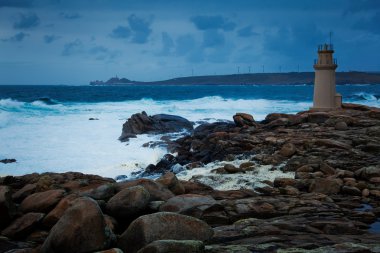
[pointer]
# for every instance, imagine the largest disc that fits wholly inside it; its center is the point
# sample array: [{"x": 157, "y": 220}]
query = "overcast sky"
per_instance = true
[{"x": 76, "y": 41}]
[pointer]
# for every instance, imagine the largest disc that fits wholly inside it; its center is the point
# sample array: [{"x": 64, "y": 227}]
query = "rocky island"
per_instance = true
[
  {"x": 291, "y": 78},
  {"x": 329, "y": 200}
]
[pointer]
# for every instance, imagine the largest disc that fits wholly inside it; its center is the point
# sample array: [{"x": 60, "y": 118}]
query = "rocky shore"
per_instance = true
[{"x": 328, "y": 202}]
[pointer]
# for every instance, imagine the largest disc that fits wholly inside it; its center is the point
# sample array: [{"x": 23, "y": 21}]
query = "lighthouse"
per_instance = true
[{"x": 325, "y": 96}]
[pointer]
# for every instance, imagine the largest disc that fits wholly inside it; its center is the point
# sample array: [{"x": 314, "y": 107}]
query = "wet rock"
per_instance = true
[
  {"x": 162, "y": 226},
  {"x": 41, "y": 201},
  {"x": 7, "y": 208},
  {"x": 156, "y": 190},
  {"x": 141, "y": 123},
  {"x": 244, "y": 119},
  {"x": 326, "y": 186},
  {"x": 22, "y": 226},
  {"x": 81, "y": 229},
  {"x": 229, "y": 168},
  {"x": 165, "y": 246},
  {"x": 317, "y": 117},
  {"x": 5, "y": 161},
  {"x": 172, "y": 183},
  {"x": 288, "y": 150},
  {"x": 128, "y": 203}
]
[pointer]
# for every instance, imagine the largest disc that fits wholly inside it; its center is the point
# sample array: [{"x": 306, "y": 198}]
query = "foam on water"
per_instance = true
[{"x": 248, "y": 180}]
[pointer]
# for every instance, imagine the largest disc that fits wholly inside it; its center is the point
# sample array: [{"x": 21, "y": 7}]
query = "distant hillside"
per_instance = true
[{"x": 257, "y": 78}]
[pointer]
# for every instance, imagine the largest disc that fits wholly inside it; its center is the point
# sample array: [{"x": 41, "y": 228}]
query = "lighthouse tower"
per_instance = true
[{"x": 325, "y": 96}]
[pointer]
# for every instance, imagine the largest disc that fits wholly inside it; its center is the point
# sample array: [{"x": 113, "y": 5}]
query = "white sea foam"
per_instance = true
[
  {"x": 59, "y": 137},
  {"x": 248, "y": 180}
]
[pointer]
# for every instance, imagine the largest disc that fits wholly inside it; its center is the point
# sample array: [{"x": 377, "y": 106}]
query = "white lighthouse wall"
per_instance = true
[{"x": 324, "y": 89}]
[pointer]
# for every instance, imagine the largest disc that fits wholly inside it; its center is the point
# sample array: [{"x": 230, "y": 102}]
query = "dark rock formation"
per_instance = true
[{"x": 141, "y": 123}]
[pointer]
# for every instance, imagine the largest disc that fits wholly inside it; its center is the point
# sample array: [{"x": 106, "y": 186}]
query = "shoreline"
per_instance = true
[{"x": 332, "y": 194}]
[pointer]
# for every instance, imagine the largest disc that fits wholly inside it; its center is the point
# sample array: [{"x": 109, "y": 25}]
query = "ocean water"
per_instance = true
[{"x": 47, "y": 128}]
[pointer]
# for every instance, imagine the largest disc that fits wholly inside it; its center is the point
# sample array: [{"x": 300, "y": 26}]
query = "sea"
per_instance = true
[{"x": 46, "y": 128}]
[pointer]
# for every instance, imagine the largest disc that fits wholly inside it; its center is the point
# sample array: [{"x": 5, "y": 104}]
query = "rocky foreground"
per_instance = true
[{"x": 330, "y": 205}]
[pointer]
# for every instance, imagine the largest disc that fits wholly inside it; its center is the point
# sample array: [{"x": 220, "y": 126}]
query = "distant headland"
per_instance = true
[{"x": 352, "y": 77}]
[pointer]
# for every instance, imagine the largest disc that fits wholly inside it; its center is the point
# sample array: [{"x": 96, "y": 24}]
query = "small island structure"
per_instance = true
[{"x": 325, "y": 96}]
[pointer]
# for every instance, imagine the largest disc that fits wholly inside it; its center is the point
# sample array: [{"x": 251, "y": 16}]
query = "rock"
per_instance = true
[
  {"x": 54, "y": 215},
  {"x": 93, "y": 119},
  {"x": 283, "y": 182},
  {"x": 114, "y": 250},
  {"x": 327, "y": 169},
  {"x": 351, "y": 190},
  {"x": 186, "y": 203},
  {"x": 287, "y": 150},
  {"x": 166, "y": 246},
  {"x": 171, "y": 181},
  {"x": 368, "y": 172},
  {"x": 7, "y": 207},
  {"x": 22, "y": 226},
  {"x": 229, "y": 168},
  {"x": 24, "y": 192},
  {"x": 81, "y": 229},
  {"x": 317, "y": 117},
  {"x": 141, "y": 123},
  {"x": 244, "y": 119},
  {"x": 102, "y": 192},
  {"x": 128, "y": 203},
  {"x": 5, "y": 161},
  {"x": 289, "y": 190},
  {"x": 156, "y": 190},
  {"x": 341, "y": 126},
  {"x": 162, "y": 226},
  {"x": 332, "y": 144},
  {"x": 325, "y": 186},
  {"x": 41, "y": 201},
  {"x": 365, "y": 193},
  {"x": 305, "y": 168}
]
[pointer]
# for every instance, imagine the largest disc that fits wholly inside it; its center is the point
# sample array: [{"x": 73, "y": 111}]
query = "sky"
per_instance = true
[{"x": 77, "y": 41}]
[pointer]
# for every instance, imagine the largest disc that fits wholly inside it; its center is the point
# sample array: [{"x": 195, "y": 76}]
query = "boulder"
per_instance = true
[
  {"x": 327, "y": 169},
  {"x": 54, "y": 215},
  {"x": 5, "y": 161},
  {"x": 244, "y": 119},
  {"x": 41, "y": 201},
  {"x": 6, "y": 206},
  {"x": 81, "y": 229},
  {"x": 171, "y": 181},
  {"x": 288, "y": 149},
  {"x": 317, "y": 117},
  {"x": 103, "y": 192},
  {"x": 162, "y": 226},
  {"x": 156, "y": 190},
  {"x": 141, "y": 123},
  {"x": 368, "y": 172},
  {"x": 24, "y": 192},
  {"x": 22, "y": 226},
  {"x": 165, "y": 246},
  {"x": 229, "y": 168},
  {"x": 114, "y": 250},
  {"x": 187, "y": 203},
  {"x": 341, "y": 126},
  {"x": 325, "y": 186},
  {"x": 128, "y": 203}
]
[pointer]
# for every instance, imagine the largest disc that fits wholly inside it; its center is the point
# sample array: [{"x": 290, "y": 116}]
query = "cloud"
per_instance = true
[
  {"x": 185, "y": 44},
  {"x": 362, "y": 5},
  {"x": 121, "y": 32},
  {"x": 204, "y": 23},
  {"x": 70, "y": 15},
  {"x": 16, "y": 3},
  {"x": 167, "y": 44},
  {"x": 246, "y": 32},
  {"x": 27, "y": 21},
  {"x": 18, "y": 37},
  {"x": 371, "y": 24},
  {"x": 140, "y": 29},
  {"x": 101, "y": 53},
  {"x": 213, "y": 38},
  {"x": 50, "y": 38},
  {"x": 73, "y": 48}
]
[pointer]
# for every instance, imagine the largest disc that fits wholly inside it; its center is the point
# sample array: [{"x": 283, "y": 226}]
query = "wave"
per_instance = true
[
  {"x": 47, "y": 101},
  {"x": 364, "y": 96}
]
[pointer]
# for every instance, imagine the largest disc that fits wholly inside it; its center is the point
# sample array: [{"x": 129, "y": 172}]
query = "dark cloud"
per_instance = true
[
  {"x": 121, "y": 32},
  {"x": 50, "y": 38},
  {"x": 70, "y": 15},
  {"x": 102, "y": 53},
  {"x": 26, "y": 21},
  {"x": 212, "y": 23},
  {"x": 18, "y": 37},
  {"x": 16, "y": 3},
  {"x": 362, "y": 5},
  {"x": 73, "y": 48},
  {"x": 140, "y": 29},
  {"x": 213, "y": 38},
  {"x": 371, "y": 24},
  {"x": 167, "y": 44},
  {"x": 185, "y": 44},
  {"x": 246, "y": 32}
]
